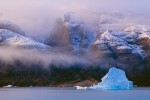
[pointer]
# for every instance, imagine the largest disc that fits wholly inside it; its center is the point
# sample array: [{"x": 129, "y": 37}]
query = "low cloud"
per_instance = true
[{"x": 46, "y": 58}]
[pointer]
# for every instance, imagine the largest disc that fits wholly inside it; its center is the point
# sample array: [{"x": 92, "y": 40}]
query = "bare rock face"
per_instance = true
[
  {"x": 128, "y": 49},
  {"x": 59, "y": 35},
  {"x": 129, "y": 60},
  {"x": 145, "y": 45},
  {"x": 81, "y": 35},
  {"x": 102, "y": 54},
  {"x": 1, "y": 38},
  {"x": 122, "y": 47},
  {"x": 72, "y": 31}
]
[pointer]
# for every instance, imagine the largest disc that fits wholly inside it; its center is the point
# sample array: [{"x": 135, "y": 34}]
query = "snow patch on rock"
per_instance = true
[
  {"x": 81, "y": 35},
  {"x": 16, "y": 40},
  {"x": 11, "y": 26},
  {"x": 119, "y": 41}
]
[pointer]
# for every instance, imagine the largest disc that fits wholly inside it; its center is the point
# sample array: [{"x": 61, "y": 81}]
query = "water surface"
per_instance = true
[{"x": 57, "y": 93}]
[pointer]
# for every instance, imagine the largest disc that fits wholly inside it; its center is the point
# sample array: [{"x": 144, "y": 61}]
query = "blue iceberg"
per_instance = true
[{"x": 115, "y": 79}]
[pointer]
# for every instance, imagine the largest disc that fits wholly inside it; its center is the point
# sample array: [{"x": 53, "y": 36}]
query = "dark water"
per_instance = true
[{"x": 53, "y": 93}]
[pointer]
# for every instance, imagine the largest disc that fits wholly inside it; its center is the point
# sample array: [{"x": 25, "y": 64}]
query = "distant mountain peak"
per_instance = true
[
  {"x": 11, "y": 26},
  {"x": 12, "y": 39}
]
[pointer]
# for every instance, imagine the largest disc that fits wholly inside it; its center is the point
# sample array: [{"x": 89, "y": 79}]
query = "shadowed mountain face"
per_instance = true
[
  {"x": 75, "y": 51},
  {"x": 11, "y": 26},
  {"x": 118, "y": 45},
  {"x": 121, "y": 45},
  {"x": 59, "y": 34},
  {"x": 72, "y": 31}
]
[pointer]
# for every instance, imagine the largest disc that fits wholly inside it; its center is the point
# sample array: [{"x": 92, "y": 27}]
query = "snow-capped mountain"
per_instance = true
[
  {"x": 11, "y": 39},
  {"x": 72, "y": 31},
  {"x": 119, "y": 42},
  {"x": 11, "y": 26},
  {"x": 129, "y": 47},
  {"x": 114, "y": 44},
  {"x": 81, "y": 34}
]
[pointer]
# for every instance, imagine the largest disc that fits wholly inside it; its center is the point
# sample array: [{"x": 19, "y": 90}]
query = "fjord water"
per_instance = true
[{"x": 56, "y": 93}]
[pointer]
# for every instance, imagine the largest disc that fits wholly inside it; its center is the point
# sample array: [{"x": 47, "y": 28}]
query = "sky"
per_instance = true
[
  {"x": 20, "y": 5},
  {"x": 36, "y": 16}
]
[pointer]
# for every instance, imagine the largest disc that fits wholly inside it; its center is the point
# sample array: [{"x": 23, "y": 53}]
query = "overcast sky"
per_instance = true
[{"x": 133, "y": 5}]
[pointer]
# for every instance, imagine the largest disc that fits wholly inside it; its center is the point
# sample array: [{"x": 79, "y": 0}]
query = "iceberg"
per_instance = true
[
  {"x": 10, "y": 86},
  {"x": 81, "y": 88},
  {"x": 115, "y": 79}
]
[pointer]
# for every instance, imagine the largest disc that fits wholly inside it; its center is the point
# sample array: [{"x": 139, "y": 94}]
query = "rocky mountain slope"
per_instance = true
[
  {"x": 115, "y": 42},
  {"x": 11, "y": 26},
  {"x": 11, "y": 39},
  {"x": 73, "y": 32},
  {"x": 113, "y": 45},
  {"x": 125, "y": 46}
]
